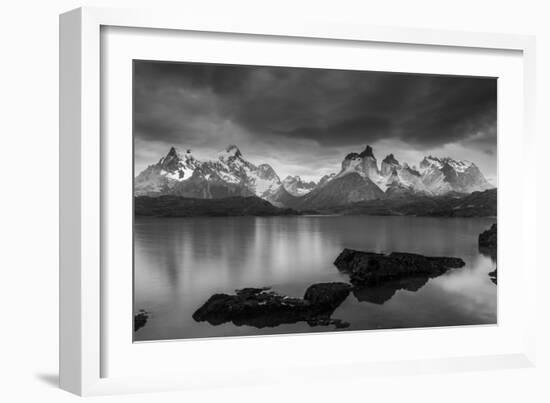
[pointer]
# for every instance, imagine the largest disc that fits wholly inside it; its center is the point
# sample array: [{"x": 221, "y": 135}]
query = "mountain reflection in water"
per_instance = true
[{"x": 181, "y": 262}]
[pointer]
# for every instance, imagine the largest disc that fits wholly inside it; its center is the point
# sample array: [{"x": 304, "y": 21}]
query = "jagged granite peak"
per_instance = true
[
  {"x": 229, "y": 175},
  {"x": 298, "y": 187},
  {"x": 439, "y": 163},
  {"x": 172, "y": 155},
  {"x": 230, "y": 154},
  {"x": 388, "y": 164},
  {"x": 367, "y": 152},
  {"x": 403, "y": 181},
  {"x": 291, "y": 179},
  {"x": 351, "y": 156},
  {"x": 412, "y": 171},
  {"x": 232, "y": 175},
  {"x": 233, "y": 149},
  {"x": 163, "y": 176},
  {"x": 436, "y": 176},
  {"x": 393, "y": 177},
  {"x": 444, "y": 175},
  {"x": 364, "y": 164},
  {"x": 390, "y": 159},
  {"x": 430, "y": 161}
]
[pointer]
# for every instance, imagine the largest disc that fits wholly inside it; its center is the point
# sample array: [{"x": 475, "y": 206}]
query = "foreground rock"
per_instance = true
[
  {"x": 367, "y": 268},
  {"x": 260, "y": 307},
  {"x": 493, "y": 276},
  {"x": 487, "y": 243},
  {"x": 488, "y": 239},
  {"x": 140, "y": 319}
]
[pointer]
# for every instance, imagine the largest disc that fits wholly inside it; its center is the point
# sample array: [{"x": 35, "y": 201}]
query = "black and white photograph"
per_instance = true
[{"x": 282, "y": 200}]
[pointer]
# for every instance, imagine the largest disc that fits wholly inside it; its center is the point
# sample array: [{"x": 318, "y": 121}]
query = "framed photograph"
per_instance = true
[{"x": 290, "y": 199}]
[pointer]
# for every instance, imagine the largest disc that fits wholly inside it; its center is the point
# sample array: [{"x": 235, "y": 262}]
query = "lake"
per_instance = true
[{"x": 180, "y": 262}]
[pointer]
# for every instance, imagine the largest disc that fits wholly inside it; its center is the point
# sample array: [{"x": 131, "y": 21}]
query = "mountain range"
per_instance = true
[{"x": 360, "y": 179}]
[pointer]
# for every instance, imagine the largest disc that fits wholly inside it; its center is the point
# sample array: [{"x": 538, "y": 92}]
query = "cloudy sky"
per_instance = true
[{"x": 304, "y": 121}]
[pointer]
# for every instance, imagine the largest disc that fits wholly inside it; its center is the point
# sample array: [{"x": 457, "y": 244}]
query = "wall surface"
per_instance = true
[{"x": 29, "y": 202}]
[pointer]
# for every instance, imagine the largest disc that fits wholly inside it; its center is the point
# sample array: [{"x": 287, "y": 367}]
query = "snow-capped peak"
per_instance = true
[
  {"x": 172, "y": 155},
  {"x": 438, "y": 163},
  {"x": 446, "y": 174},
  {"x": 172, "y": 152},
  {"x": 231, "y": 152},
  {"x": 388, "y": 164},
  {"x": 231, "y": 174},
  {"x": 390, "y": 159},
  {"x": 296, "y": 186},
  {"x": 430, "y": 161},
  {"x": 364, "y": 164},
  {"x": 176, "y": 166},
  {"x": 367, "y": 152},
  {"x": 458, "y": 165},
  {"x": 290, "y": 179}
]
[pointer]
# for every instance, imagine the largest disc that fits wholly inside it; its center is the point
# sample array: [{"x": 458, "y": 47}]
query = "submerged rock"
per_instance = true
[
  {"x": 140, "y": 319},
  {"x": 260, "y": 307},
  {"x": 367, "y": 268},
  {"x": 488, "y": 239}
]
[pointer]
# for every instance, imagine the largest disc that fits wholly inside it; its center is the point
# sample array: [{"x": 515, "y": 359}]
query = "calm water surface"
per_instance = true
[{"x": 181, "y": 262}]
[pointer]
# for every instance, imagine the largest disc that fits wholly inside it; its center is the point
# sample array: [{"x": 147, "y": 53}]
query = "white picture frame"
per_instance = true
[{"x": 85, "y": 343}]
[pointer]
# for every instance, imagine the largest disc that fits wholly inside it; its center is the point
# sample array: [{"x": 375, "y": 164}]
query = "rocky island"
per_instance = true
[
  {"x": 140, "y": 319},
  {"x": 368, "y": 268},
  {"x": 261, "y": 307}
]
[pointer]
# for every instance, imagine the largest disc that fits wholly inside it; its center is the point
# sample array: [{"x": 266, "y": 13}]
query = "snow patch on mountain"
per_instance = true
[
  {"x": 166, "y": 173},
  {"x": 297, "y": 187},
  {"x": 183, "y": 174}
]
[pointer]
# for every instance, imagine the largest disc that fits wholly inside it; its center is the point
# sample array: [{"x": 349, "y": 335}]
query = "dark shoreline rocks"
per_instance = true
[
  {"x": 493, "y": 276},
  {"x": 140, "y": 319},
  {"x": 260, "y": 307},
  {"x": 369, "y": 269},
  {"x": 488, "y": 239},
  {"x": 487, "y": 243}
]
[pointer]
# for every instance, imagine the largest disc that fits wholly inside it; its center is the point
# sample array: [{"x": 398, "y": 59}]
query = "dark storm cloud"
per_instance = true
[
  {"x": 328, "y": 107},
  {"x": 303, "y": 121}
]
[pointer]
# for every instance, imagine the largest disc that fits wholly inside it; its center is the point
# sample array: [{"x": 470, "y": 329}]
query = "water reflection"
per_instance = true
[
  {"x": 489, "y": 252},
  {"x": 492, "y": 253},
  {"x": 181, "y": 262},
  {"x": 384, "y": 292}
]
